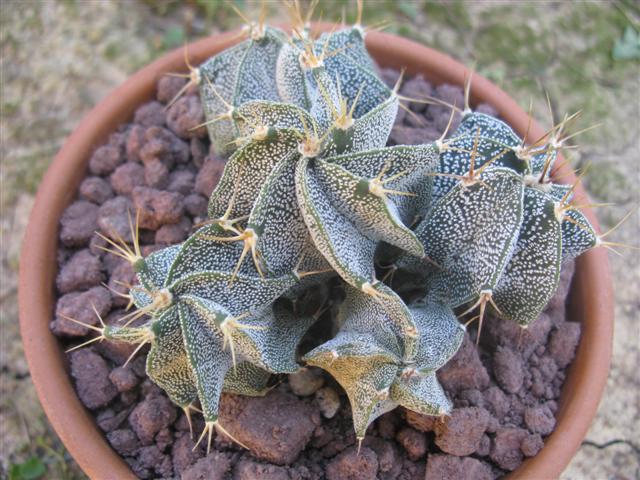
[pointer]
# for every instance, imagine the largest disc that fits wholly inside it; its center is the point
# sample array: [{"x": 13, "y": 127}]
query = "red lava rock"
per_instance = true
[
  {"x": 123, "y": 441},
  {"x": 92, "y": 378},
  {"x": 81, "y": 272},
  {"x": 212, "y": 467},
  {"x": 246, "y": 469},
  {"x": 182, "y": 181},
  {"x": 78, "y": 305},
  {"x": 424, "y": 423},
  {"x": 174, "y": 233},
  {"x": 404, "y": 135},
  {"x": 486, "y": 109},
  {"x": 183, "y": 453},
  {"x": 138, "y": 470},
  {"x": 464, "y": 370},
  {"x": 415, "y": 120},
  {"x": 164, "y": 439},
  {"x": 156, "y": 174},
  {"x": 537, "y": 333},
  {"x": 539, "y": 419},
  {"x": 184, "y": 115},
  {"x": 77, "y": 224},
  {"x": 493, "y": 425},
  {"x": 105, "y": 160},
  {"x": 449, "y": 467},
  {"x": 461, "y": 434},
  {"x": 388, "y": 425},
  {"x": 150, "y": 114},
  {"x": 547, "y": 368},
  {"x": 508, "y": 369},
  {"x": 276, "y": 427},
  {"x": 119, "y": 139},
  {"x": 182, "y": 425},
  {"x": 350, "y": 465},
  {"x": 470, "y": 398},
  {"x": 135, "y": 142},
  {"x": 162, "y": 144},
  {"x": 128, "y": 398},
  {"x": 113, "y": 218},
  {"x": 152, "y": 458},
  {"x": 414, "y": 443},
  {"x": 531, "y": 445},
  {"x": 157, "y": 207},
  {"x": 165, "y": 469},
  {"x": 108, "y": 420},
  {"x": 485, "y": 446},
  {"x": 505, "y": 451},
  {"x": 126, "y": 177},
  {"x": 123, "y": 378},
  {"x": 563, "y": 343},
  {"x": 340, "y": 433},
  {"x": 389, "y": 458},
  {"x": 195, "y": 205},
  {"x": 209, "y": 175},
  {"x": 507, "y": 333},
  {"x": 417, "y": 88},
  {"x": 96, "y": 190},
  {"x": 169, "y": 87},
  {"x": 390, "y": 76},
  {"x": 453, "y": 95},
  {"x": 150, "y": 416},
  {"x": 149, "y": 249},
  {"x": 199, "y": 151},
  {"x": 150, "y": 389},
  {"x": 497, "y": 402}
]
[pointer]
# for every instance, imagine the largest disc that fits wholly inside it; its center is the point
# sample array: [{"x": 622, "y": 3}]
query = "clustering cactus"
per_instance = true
[{"x": 309, "y": 190}]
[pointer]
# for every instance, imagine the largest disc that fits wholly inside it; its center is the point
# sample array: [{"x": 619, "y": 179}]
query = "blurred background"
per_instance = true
[{"x": 58, "y": 59}]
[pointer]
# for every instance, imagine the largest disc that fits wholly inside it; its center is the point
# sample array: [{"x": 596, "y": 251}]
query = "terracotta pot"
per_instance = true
[{"x": 591, "y": 300}]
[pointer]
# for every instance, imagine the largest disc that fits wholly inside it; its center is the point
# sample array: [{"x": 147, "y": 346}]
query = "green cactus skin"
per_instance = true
[
  {"x": 310, "y": 190},
  {"x": 535, "y": 261},
  {"x": 470, "y": 234}
]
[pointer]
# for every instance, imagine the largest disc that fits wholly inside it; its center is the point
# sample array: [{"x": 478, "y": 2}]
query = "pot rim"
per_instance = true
[{"x": 591, "y": 297}]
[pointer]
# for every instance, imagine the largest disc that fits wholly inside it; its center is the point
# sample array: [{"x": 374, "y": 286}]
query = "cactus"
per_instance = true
[{"x": 310, "y": 190}]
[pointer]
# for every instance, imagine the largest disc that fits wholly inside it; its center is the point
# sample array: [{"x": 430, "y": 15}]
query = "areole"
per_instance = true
[{"x": 591, "y": 299}]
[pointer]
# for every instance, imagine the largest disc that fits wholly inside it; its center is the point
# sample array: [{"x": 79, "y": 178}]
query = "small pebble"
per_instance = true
[
  {"x": 104, "y": 160},
  {"x": 91, "y": 374},
  {"x": 126, "y": 177},
  {"x": 413, "y": 442},
  {"x": 81, "y": 272},
  {"x": 328, "y": 401},
  {"x": 96, "y": 190},
  {"x": 123, "y": 378},
  {"x": 184, "y": 116},
  {"x": 156, "y": 207},
  {"x": 306, "y": 381},
  {"x": 209, "y": 175},
  {"x": 150, "y": 114},
  {"x": 349, "y": 465},
  {"x": 150, "y": 416}
]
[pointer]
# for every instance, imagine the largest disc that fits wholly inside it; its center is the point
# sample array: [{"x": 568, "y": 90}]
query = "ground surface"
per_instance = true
[{"x": 58, "y": 59}]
